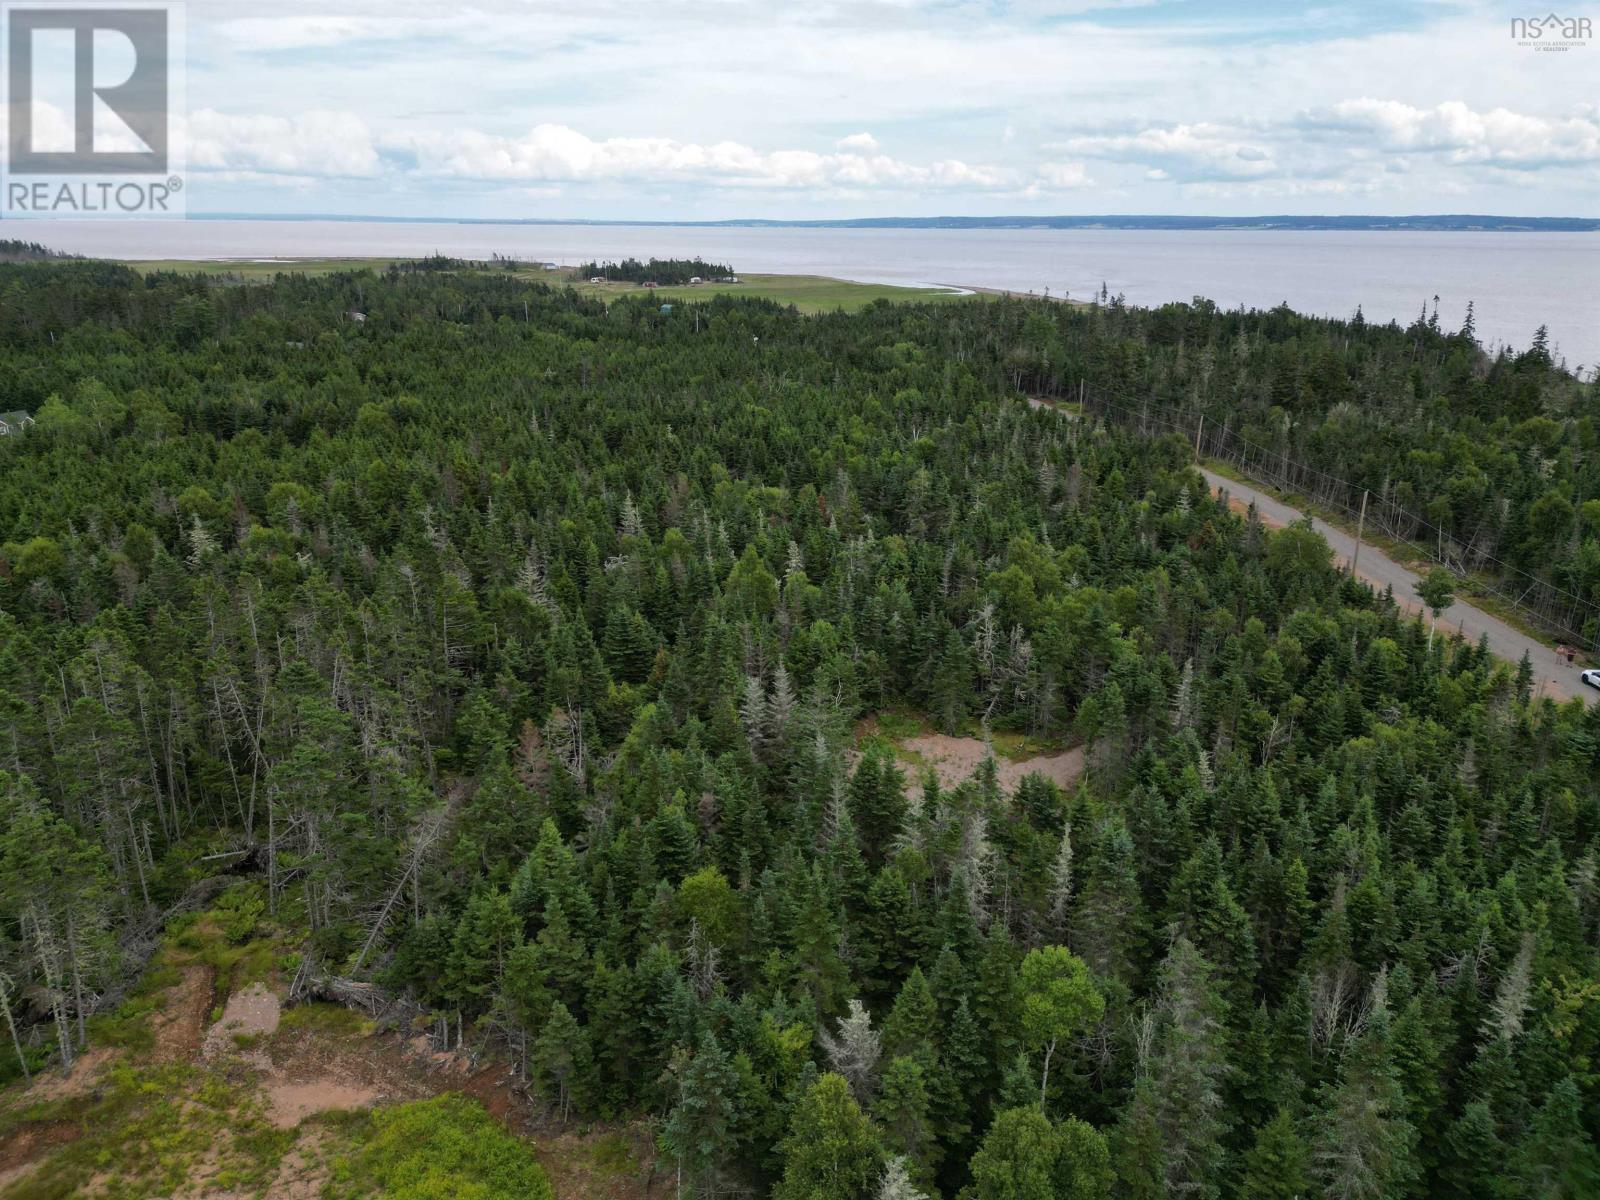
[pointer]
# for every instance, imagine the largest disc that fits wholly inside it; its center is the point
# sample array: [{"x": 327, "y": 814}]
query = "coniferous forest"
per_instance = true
[{"x": 519, "y": 650}]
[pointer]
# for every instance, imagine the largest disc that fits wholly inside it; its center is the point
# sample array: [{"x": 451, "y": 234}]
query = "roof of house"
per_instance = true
[{"x": 15, "y": 418}]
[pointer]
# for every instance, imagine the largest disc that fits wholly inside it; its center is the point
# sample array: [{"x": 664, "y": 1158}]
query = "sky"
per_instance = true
[{"x": 715, "y": 109}]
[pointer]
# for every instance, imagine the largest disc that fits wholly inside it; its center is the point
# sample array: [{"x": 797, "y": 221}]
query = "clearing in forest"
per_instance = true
[
  {"x": 954, "y": 759},
  {"x": 203, "y": 1085}
]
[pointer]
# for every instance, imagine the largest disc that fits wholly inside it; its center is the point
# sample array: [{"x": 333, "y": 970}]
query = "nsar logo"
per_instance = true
[{"x": 1552, "y": 32}]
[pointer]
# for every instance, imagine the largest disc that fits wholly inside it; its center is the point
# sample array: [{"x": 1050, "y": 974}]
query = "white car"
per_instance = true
[{"x": 1592, "y": 678}]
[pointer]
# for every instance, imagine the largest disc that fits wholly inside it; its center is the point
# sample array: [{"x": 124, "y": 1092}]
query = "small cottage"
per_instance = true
[{"x": 14, "y": 422}]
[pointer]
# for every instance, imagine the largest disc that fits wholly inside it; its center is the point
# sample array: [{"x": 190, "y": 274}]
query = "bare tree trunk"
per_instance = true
[{"x": 11, "y": 1024}]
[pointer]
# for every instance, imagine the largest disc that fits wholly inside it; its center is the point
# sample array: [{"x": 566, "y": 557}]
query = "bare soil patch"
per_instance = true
[
  {"x": 954, "y": 759},
  {"x": 23, "y": 1150},
  {"x": 291, "y": 1103},
  {"x": 81, "y": 1080},
  {"x": 250, "y": 1013},
  {"x": 179, "y": 1025},
  {"x": 304, "y": 1169},
  {"x": 1242, "y": 507}
]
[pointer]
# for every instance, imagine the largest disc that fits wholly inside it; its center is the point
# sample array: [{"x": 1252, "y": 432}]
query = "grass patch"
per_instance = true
[
  {"x": 264, "y": 271},
  {"x": 234, "y": 939},
  {"x": 332, "y": 1020},
  {"x": 446, "y": 1146},
  {"x": 14, "y": 1120},
  {"x": 1020, "y": 747},
  {"x": 611, "y": 1156},
  {"x": 899, "y": 724},
  {"x": 149, "y": 1131},
  {"x": 808, "y": 293},
  {"x": 128, "y": 1026}
]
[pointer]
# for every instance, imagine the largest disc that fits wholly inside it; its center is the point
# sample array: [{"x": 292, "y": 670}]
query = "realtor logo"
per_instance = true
[{"x": 90, "y": 98}]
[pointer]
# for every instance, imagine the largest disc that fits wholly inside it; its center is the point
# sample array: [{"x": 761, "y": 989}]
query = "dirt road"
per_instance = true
[
  {"x": 1378, "y": 569},
  {"x": 1550, "y": 678}
]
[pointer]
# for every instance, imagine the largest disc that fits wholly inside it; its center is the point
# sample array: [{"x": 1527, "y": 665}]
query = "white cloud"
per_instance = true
[
  {"x": 858, "y": 141},
  {"x": 559, "y": 153},
  {"x": 1496, "y": 137},
  {"x": 1201, "y": 151},
  {"x": 312, "y": 144},
  {"x": 618, "y": 105},
  {"x": 542, "y": 161},
  {"x": 1061, "y": 176}
]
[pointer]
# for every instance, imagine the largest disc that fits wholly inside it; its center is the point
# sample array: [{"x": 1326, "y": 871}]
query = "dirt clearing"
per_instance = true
[
  {"x": 954, "y": 759},
  {"x": 291, "y": 1103},
  {"x": 251, "y": 1013},
  {"x": 180, "y": 1024}
]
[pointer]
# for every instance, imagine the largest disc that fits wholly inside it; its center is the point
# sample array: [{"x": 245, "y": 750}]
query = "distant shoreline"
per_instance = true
[{"x": 1420, "y": 223}]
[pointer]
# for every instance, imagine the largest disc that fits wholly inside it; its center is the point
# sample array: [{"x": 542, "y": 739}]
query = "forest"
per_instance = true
[
  {"x": 1486, "y": 462},
  {"x": 13, "y": 250},
  {"x": 657, "y": 270},
  {"x": 519, "y": 647}
]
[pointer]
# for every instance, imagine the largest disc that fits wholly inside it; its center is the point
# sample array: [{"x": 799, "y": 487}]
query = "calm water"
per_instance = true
[{"x": 1517, "y": 280}]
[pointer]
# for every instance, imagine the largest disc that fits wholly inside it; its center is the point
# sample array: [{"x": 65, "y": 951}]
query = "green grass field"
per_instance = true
[
  {"x": 808, "y": 293},
  {"x": 259, "y": 269}
]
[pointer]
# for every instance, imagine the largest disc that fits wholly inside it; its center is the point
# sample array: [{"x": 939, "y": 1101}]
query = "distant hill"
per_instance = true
[
  {"x": 1436, "y": 223},
  {"x": 1441, "y": 222}
]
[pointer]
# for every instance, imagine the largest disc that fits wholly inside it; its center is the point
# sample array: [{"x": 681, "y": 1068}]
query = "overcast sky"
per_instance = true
[{"x": 738, "y": 108}]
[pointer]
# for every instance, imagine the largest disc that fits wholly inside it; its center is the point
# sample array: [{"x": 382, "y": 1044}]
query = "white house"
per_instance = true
[{"x": 14, "y": 422}]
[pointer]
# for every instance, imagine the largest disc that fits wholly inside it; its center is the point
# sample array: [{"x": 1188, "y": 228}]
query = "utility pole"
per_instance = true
[
  {"x": 1199, "y": 429},
  {"x": 1361, "y": 524}
]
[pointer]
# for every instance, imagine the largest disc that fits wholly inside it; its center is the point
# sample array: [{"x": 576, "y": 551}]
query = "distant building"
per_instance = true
[
  {"x": 666, "y": 308},
  {"x": 14, "y": 422},
  {"x": 357, "y": 317},
  {"x": 729, "y": 279},
  {"x": 695, "y": 279},
  {"x": 597, "y": 279}
]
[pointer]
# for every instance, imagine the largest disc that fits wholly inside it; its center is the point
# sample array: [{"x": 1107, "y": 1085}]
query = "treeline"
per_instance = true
[
  {"x": 1488, "y": 460},
  {"x": 437, "y": 263},
  {"x": 657, "y": 270},
  {"x": 522, "y": 642},
  {"x": 14, "y": 251}
]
